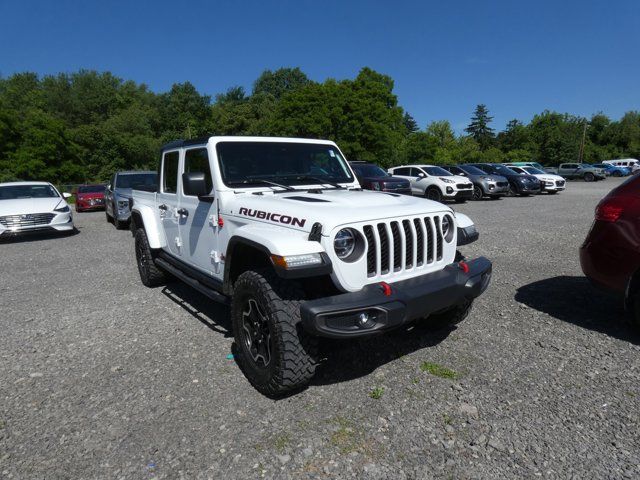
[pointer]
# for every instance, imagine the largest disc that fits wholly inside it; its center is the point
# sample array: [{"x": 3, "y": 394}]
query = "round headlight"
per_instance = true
[
  {"x": 344, "y": 243},
  {"x": 447, "y": 228}
]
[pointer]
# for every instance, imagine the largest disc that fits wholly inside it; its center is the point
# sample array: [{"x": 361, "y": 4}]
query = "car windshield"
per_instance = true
[
  {"x": 13, "y": 192},
  {"x": 91, "y": 189},
  {"x": 533, "y": 170},
  {"x": 369, "y": 171},
  {"x": 471, "y": 170},
  {"x": 437, "y": 171},
  {"x": 136, "y": 180},
  {"x": 502, "y": 170},
  {"x": 287, "y": 163}
]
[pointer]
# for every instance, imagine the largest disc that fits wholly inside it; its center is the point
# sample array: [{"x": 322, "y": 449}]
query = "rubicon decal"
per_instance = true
[{"x": 273, "y": 217}]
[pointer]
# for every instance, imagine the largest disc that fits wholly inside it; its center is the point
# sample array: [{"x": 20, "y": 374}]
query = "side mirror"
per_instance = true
[
  {"x": 194, "y": 184},
  {"x": 421, "y": 175},
  {"x": 66, "y": 195}
]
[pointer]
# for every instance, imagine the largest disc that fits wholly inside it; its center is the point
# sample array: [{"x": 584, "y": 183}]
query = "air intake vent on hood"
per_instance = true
[{"x": 306, "y": 199}]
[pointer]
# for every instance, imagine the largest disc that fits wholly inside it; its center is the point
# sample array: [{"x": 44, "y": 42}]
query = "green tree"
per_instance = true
[
  {"x": 409, "y": 123},
  {"x": 280, "y": 81},
  {"x": 479, "y": 127}
]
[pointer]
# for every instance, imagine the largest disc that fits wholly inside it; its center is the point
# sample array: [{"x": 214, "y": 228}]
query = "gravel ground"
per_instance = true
[{"x": 103, "y": 378}]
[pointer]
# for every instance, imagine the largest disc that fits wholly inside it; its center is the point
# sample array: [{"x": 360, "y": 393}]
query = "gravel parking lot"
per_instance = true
[{"x": 101, "y": 377}]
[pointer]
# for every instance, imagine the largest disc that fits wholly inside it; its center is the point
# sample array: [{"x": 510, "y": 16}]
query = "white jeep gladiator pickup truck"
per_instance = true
[{"x": 280, "y": 229}]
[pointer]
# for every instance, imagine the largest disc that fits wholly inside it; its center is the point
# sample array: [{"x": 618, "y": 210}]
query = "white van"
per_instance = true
[{"x": 623, "y": 162}]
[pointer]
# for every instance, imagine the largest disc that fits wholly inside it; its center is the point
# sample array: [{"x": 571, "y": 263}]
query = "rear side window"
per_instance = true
[
  {"x": 170, "y": 172},
  {"x": 404, "y": 171},
  {"x": 197, "y": 160}
]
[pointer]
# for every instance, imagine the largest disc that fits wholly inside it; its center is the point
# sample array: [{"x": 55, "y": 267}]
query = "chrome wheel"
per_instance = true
[{"x": 256, "y": 333}]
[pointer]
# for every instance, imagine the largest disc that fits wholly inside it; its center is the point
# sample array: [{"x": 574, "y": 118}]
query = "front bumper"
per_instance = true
[
  {"x": 494, "y": 190},
  {"x": 401, "y": 191},
  {"x": 451, "y": 193},
  {"x": 528, "y": 188},
  {"x": 338, "y": 316},
  {"x": 62, "y": 222}
]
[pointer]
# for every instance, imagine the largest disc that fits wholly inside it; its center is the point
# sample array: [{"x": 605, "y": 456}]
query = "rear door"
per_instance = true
[
  {"x": 168, "y": 202},
  {"x": 405, "y": 172},
  {"x": 199, "y": 219}
]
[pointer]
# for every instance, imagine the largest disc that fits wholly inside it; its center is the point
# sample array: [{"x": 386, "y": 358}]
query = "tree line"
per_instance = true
[{"x": 83, "y": 126}]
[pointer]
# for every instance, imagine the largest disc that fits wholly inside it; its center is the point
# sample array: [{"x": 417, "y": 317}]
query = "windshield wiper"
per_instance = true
[
  {"x": 319, "y": 180},
  {"x": 262, "y": 181}
]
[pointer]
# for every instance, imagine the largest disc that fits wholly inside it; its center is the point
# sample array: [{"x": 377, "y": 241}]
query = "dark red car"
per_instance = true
[
  {"x": 90, "y": 197},
  {"x": 610, "y": 255}
]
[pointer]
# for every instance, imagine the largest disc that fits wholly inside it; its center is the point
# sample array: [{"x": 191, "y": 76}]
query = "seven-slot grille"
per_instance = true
[
  {"x": 399, "y": 245},
  {"x": 27, "y": 220}
]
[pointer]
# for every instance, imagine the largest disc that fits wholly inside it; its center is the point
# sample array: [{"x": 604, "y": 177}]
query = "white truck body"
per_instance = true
[{"x": 233, "y": 216}]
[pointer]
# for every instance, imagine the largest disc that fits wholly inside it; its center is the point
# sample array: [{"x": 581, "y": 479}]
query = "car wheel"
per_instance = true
[
  {"x": 589, "y": 177},
  {"x": 433, "y": 193},
  {"x": 150, "y": 274},
  {"x": 477, "y": 193},
  {"x": 274, "y": 352},
  {"x": 512, "y": 190},
  {"x": 616, "y": 174}
]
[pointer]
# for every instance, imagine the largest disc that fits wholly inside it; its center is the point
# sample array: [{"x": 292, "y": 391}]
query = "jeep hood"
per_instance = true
[{"x": 332, "y": 208}]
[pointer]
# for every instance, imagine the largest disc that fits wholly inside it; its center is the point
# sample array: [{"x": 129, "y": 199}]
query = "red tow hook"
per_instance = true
[
  {"x": 386, "y": 289},
  {"x": 463, "y": 266}
]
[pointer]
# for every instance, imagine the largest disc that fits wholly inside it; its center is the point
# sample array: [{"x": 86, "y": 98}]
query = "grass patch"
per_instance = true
[
  {"x": 439, "y": 370},
  {"x": 376, "y": 393},
  {"x": 281, "y": 441}
]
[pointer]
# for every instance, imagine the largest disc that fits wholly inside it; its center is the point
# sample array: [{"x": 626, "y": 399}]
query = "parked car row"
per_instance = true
[{"x": 459, "y": 182}]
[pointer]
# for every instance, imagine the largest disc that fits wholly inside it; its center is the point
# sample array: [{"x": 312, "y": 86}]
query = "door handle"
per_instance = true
[
  {"x": 162, "y": 207},
  {"x": 183, "y": 212}
]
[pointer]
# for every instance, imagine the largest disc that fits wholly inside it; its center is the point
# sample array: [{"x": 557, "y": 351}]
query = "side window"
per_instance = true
[
  {"x": 405, "y": 171},
  {"x": 415, "y": 172},
  {"x": 170, "y": 172},
  {"x": 197, "y": 160}
]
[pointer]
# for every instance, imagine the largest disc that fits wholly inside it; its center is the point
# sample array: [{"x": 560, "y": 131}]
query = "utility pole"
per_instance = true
[{"x": 584, "y": 136}]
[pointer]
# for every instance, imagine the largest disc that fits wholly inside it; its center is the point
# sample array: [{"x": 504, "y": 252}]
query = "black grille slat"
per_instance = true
[
  {"x": 419, "y": 242},
  {"x": 384, "y": 248},
  {"x": 28, "y": 220},
  {"x": 397, "y": 246},
  {"x": 428, "y": 228},
  {"x": 408, "y": 244},
  {"x": 371, "y": 250},
  {"x": 438, "y": 238}
]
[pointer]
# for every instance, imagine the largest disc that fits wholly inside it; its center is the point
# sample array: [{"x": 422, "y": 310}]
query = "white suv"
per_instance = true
[
  {"x": 280, "y": 229},
  {"x": 435, "y": 183}
]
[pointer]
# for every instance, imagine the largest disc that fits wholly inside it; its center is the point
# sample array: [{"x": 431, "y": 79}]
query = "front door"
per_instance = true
[
  {"x": 167, "y": 201},
  {"x": 199, "y": 221}
]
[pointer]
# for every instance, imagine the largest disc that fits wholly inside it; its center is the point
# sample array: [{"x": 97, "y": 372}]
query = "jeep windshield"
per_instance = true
[
  {"x": 251, "y": 164},
  {"x": 137, "y": 180},
  {"x": 13, "y": 192}
]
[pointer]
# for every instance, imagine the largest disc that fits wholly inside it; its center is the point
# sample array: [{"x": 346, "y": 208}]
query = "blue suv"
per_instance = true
[{"x": 613, "y": 171}]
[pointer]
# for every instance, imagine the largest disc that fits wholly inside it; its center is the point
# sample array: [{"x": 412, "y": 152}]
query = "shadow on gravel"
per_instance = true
[
  {"x": 349, "y": 359},
  {"x": 575, "y": 300},
  {"x": 212, "y": 314},
  {"x": 37, "y": 236}
]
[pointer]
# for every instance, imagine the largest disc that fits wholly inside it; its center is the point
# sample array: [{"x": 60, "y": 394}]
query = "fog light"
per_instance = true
[
  {"x": 449, "y": 190},
  {"x": 363, "y": 319}
]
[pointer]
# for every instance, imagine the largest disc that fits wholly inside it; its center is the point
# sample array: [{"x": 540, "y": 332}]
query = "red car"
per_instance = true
[
  {"x": 610, "y": 255},
  {"x": 90, "y": 197}
]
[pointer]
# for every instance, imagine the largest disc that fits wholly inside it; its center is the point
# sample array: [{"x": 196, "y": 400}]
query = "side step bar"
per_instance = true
[{"x": 209, "y": 292}]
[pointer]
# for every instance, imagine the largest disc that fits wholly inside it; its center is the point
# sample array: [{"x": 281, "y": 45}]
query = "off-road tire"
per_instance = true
[
  {"x": 589, "y": 177},
  {"x": 433, "y": 193},
  {"x": 150, "y": 275},
  {"x": 293, "y": 353},
  {"x": 450, "y": 317},
  {"x": 477, "y": 193}
]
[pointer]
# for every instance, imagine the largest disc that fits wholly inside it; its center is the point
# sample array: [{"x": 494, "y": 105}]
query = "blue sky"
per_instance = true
[{"x": 517, "y": 57}]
